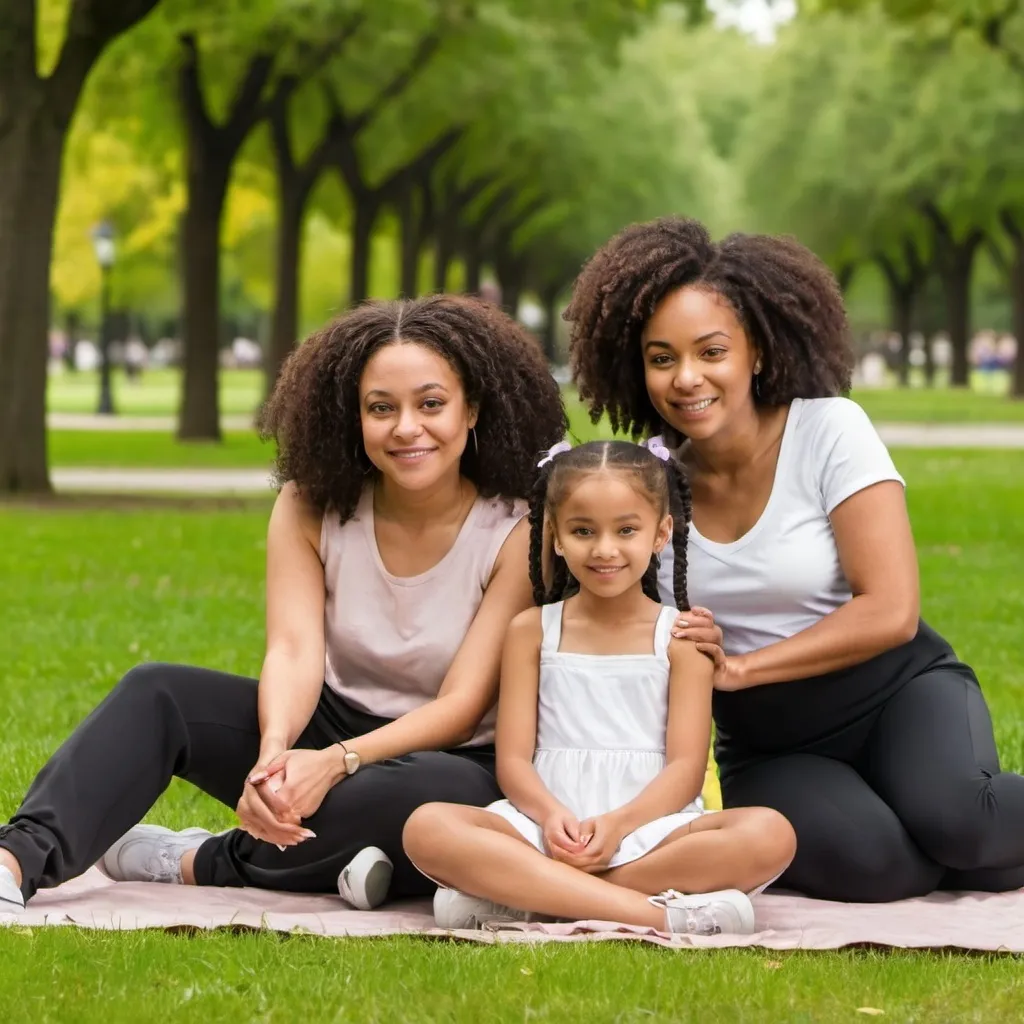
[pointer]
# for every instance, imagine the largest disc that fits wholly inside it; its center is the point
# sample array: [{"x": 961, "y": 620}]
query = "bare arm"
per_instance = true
[
  {"x": 516, "y": 738},
  {"x": 876, "y": 552},
  {"x": 469, "y": 688},
  {"x": 687, "y": 737},
  {"x": 293, "y": 668}
]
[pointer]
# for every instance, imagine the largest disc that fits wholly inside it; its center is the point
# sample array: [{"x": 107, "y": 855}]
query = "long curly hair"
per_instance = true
[
  {"x": 787, "y": 300},
  {"x": 664, "y": 484},
  {"x": 313, "y": 412}
]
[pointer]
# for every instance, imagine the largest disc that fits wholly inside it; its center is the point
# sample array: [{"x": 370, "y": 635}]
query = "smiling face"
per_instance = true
[
  {"x": 606, "y": 529},
  {"x": 414, "y": 414},
  {"x": 698, "y": 362}
]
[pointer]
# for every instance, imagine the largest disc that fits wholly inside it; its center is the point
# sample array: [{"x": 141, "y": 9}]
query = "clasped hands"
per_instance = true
[
  {"x": 282, "y": 789},
  {"x": 588, "y": 845}
]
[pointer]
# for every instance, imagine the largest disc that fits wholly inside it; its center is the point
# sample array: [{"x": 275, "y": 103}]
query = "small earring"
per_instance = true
[
  {"x": 757, "y": 387},
  {"x": 476, "y": 447}
]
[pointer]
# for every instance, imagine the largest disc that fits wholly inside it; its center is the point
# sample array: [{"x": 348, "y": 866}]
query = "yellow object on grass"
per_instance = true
[{"x": 712, "y": 791}]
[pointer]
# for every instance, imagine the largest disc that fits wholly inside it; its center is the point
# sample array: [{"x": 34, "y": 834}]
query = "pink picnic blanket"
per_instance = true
[{"x": 978, "y": 921}]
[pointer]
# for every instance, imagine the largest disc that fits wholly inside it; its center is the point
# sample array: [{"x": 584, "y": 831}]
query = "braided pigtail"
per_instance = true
[
  {"x": 649, "y": 581},
  {"x": 680, "y": 504},
  {"x": 538, "y": 500}
]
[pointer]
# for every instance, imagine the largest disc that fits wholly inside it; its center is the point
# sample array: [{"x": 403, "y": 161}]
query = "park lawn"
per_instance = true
[
  {"x": 89, "y": 590},
  {"x": 102, "y": 449}
]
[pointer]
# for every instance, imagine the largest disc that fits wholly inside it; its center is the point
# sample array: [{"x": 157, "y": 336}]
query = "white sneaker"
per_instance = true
[
  {"x": 454, "y": 909},
  {"x": 728, "y": 911},
  {"x": 11, "y": 900},
  {"x": 151, "y": 853},
  {"x": 365, "y": 880}
]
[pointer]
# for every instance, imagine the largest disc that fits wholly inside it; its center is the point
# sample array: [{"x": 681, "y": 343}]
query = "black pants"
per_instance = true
[
  {"x": 906, "y": 800},
  {"x": 171, "y": 720}
]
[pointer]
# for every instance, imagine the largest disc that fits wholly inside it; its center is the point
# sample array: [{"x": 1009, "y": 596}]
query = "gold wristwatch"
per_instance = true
[{"x": 350, "y": 759}]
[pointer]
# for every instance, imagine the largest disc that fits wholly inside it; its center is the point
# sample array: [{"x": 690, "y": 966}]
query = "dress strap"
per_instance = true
[
  {"x": 663, "y": 631},
  {"x": 551, "y": 627}
]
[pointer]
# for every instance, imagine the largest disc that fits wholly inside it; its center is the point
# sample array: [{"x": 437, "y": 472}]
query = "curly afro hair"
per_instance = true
[
  {"x": 786, "y": 299},
  {"x": 313, "y": 412}
]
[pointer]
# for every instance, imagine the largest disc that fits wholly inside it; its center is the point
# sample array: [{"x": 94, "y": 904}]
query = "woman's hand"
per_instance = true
[
  {"x": 297, "y": 781},
  {"x": 562, "y": 834},
  {"x": 698, "y": 625},
  {"x": 261, "y": 814},
  {"x": 730, "y": 671},
  {"x": 602, "y": 836}
]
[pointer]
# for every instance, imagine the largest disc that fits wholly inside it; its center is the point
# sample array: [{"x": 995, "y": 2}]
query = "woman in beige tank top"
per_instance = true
[{"x": 395, "y": 560}]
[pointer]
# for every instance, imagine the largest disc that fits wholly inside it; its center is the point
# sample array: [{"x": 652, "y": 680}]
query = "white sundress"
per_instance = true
[{"x": 601, "y": 721}]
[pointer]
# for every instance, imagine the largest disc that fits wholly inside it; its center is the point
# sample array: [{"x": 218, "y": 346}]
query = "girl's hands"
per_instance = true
[
  {"x": 562, "y": 835},
  {"x": 698, "y": 625},
  {"x": 601, "y": 836}
]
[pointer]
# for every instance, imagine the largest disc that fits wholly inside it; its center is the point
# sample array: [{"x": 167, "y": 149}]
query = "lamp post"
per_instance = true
[{"x": 103, "y": 243}]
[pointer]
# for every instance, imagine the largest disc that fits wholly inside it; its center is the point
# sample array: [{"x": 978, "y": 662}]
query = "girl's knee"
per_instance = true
[
  {"x": 427, "y": 830},
  {"x": 771, "y": 838}
]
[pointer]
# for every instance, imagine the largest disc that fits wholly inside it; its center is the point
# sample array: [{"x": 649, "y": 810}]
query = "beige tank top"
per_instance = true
[{"x": 391, "y": 639}]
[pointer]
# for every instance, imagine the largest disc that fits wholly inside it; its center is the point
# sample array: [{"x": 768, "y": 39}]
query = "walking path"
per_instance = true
[
  {"x": 161, "y": 481},
  {"x": 159, "y": 424}
]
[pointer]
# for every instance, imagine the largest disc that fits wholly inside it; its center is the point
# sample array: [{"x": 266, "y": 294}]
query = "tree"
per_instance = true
[{"x": 36, "y": 109}]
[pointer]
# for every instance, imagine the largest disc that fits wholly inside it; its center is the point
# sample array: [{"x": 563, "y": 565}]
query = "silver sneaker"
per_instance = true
[
  {"x": 454, "y": 909},
  {"x": 365, "y": 880},
  {"x": 727, "y": 911},
  {"x": 11, "y": 900},
  {"x": 151, "y": 853}
]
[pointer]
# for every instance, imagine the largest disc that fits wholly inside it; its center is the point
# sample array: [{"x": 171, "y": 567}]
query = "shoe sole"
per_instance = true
[{"x": 376, "y": 883}]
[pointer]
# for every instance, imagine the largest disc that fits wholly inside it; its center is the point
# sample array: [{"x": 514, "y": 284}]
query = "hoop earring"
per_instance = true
[
  {"x": 757, "y": 387},
  {"x": 476, "y": 447}
]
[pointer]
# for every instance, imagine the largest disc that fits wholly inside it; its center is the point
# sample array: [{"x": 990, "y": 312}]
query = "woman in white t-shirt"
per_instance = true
[{"x": 834, "y": 703}]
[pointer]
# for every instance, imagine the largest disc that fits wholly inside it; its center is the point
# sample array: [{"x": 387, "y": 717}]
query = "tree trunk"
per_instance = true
[
  {"x": 474, "y": 264},
  {"x": 902, "y": 300},
  {"x": 958, "y": 312},
  {"x": 549, "y": 333},
  {"x": 408, "y": 242},
  {"x": 444, "y": 251},
  {"x": 364, "y": 218},
  {"x": 1017, "y": 303},
  {"x": 284, "y": 325},
  {"x": 34, "y": 118},
  {"x": 199, "y": 414},
  {"x": 72, "y": 322},
  {"x": 31, "y": 149}
]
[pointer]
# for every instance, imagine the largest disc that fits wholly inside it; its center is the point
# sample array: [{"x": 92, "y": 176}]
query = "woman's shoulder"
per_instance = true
[{"x": 829, "y": 415}]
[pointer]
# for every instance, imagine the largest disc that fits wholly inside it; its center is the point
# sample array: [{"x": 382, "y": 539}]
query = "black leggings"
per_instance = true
[
  {"x": 171, "y": 720},
  {"x": 908, "y": 801}
]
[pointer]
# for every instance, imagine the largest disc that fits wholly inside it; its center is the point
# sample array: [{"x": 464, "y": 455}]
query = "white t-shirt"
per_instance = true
[{"x": 783, "y": 575}]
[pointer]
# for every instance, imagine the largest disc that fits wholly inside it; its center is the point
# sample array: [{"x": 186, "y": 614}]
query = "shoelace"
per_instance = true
[
  {"x": 163, "y": 866},
  {"x": 700, "y": 920}
]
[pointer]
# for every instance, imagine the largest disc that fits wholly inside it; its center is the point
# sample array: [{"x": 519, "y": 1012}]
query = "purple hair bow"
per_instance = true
[
  {"x": 557, "y": 449},
  {"x": 656, "y": 446}
]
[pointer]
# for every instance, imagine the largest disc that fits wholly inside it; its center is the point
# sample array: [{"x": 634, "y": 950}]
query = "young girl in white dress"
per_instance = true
[{"x": 604, "y": 721}]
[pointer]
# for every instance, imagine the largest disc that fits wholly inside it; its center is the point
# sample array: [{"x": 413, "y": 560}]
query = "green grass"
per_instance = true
[
  {"x": 91, "y": 589},
  {"x": 147, "y": 977},
  {"x": 123, "y": 448}
]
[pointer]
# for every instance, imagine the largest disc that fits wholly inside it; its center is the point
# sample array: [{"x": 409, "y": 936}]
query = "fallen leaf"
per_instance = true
[
  {"x": 773, "y": 965},
  {"x": 871, "y": 1011},
  {"x": 525, "y": 970}
]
